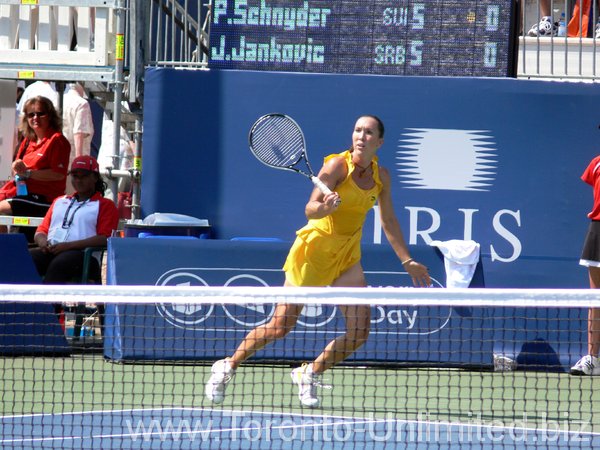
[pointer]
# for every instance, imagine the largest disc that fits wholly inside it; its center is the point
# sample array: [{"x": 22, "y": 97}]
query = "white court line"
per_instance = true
[
  {"x": 342, "y": 420},
  {"x": 176, "y": 408}
]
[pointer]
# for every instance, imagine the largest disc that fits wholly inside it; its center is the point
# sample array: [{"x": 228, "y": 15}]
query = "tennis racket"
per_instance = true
[{"x": 277, "y": 141}]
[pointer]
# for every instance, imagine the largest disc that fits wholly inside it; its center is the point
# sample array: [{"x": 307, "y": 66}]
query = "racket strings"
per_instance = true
[{"x": 277, "y": 141}]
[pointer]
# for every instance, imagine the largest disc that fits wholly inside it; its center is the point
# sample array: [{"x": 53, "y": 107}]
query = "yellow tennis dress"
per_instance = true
[{"x": 327, "y": 247}]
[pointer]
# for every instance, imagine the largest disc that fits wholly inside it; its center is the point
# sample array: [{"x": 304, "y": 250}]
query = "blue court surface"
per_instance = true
[{"x": 187, "y": 428}]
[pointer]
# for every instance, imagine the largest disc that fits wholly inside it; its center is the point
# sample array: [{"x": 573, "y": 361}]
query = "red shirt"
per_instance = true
[
  {"x": 591, "y": 176},
  {"x": 96, "y": 216},
  {"x": 51, "y": 153}
]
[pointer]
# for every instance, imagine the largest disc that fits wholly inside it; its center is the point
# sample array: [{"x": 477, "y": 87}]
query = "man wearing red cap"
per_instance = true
[{"x": 73, "y": 223}]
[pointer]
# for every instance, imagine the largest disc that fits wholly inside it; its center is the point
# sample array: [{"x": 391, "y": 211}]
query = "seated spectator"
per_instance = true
[
  {"x": 73, "y": 223},
  {"x": 42, "y": 160}
]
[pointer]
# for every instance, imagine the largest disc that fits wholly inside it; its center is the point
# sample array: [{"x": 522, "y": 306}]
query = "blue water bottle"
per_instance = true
[
  {"x": 562, "y": 26},
  {"x": 21, "y": 186}
]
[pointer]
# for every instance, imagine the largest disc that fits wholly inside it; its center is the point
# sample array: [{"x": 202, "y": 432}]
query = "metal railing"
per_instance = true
[
  {"x": 178, "y": 33},
  {"x": 47, "y": 39},
  {"x": 572, "y": 57}
]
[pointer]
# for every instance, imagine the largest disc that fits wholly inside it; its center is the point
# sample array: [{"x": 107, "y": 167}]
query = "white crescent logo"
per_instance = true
[{"x": 462, "y": 160}]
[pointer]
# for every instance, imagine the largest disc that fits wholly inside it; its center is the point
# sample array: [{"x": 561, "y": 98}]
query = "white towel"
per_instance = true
[{"x": 460, "y": 261}]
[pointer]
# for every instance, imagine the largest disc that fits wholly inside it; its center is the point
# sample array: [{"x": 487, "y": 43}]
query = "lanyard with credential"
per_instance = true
[{"x": 68, "y": 222}]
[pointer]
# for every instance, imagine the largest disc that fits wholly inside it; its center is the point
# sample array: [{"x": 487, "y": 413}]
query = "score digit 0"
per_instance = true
[
  {"x": 490, "y": 54},
  {"x": 492, "y": 18}
]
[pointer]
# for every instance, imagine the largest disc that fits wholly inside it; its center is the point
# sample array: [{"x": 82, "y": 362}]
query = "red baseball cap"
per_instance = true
[{"x": 85, "y": 162}]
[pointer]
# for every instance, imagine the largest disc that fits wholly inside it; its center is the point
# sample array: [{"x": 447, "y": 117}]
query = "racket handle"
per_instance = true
[{"x": 318, "y": 183}]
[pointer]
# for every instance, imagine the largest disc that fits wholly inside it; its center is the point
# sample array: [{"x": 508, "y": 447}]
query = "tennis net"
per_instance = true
[{"x": 440, "y": 368}]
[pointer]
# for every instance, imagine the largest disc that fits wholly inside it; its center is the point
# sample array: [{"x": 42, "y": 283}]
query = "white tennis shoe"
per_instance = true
[
  {"x": 588, "y": 365},
  {"x": 221, "y": 375},
  {"x": 307, "y": 383}
]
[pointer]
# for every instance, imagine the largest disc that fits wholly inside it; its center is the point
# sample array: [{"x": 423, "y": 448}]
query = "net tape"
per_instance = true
[{"x": 552, "y": 298}]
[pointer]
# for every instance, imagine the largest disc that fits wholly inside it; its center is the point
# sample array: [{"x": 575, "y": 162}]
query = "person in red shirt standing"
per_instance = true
[
  {"x": 590, "y": 257},
  {"x": 42, "y": 160},
  {"x": 73, "y": 223}
]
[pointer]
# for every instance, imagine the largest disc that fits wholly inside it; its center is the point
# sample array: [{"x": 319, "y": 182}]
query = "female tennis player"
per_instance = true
[
  {"x": 590, "y": 257},
  {"x": 327, "y": 252}
]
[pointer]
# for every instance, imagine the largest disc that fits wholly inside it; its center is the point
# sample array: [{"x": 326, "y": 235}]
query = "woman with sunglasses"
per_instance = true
[{"x": 42, "y": 160}]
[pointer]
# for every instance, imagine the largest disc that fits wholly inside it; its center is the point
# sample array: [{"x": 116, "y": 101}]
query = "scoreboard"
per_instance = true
[{"x": 405, "y": 37}]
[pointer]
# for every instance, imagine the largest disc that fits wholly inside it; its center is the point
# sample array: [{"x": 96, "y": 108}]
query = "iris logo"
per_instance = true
[
  {"x": 249, "y": 314},
  {"x": 184, "y": 315},
  {"x": 461, "y": 160},
  {"x": 252, "y": 315},
  {"x": 315, "y": 316}
]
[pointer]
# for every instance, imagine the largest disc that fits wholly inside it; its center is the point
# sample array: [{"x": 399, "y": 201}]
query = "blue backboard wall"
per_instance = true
[{"x": 494, "y": 160}]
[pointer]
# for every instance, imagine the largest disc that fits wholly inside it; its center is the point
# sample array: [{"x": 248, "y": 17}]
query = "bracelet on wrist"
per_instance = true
[
  {"x": 27, "y": 174},
  {"x": 407, "y": 261}
]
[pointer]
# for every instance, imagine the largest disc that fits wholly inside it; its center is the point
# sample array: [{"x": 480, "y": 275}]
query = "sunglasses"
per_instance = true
[{"x": 31, "y": 115}]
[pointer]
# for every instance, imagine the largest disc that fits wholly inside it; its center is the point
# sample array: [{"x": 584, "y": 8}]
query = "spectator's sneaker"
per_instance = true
[
  {"x": 597, "y": 34},
  {"x": 588, "y": 365},
  {"x": 307, "y": 383},
  {"x": 222, "y": 373},
  {"x": 545, "y": 28}
]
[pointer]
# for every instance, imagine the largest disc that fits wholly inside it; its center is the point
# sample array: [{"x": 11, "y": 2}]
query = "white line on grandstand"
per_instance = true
[{"x": 572, "y": 298}]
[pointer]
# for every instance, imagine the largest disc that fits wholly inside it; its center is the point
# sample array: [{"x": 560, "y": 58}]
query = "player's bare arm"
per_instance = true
[
  {"x": 393, "y": 232},
  {"x": 332, "y": 173}
]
